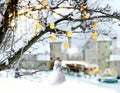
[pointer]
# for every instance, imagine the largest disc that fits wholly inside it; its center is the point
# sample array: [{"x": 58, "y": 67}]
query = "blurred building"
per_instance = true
[
  {"x": 35, "y": 61},
  {"x": 103, "y": 44},
  {"x": 91, "y": 52},
  {"x": 55, "y": 49},
  {"x": 104, "y": 52}
]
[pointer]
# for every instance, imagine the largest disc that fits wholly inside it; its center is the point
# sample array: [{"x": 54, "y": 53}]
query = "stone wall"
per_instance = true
[
  {"x": 111, "y": 67},
  {"x": 38, "y": 65},
  {"x": 117, "y": 67},
  {"x": 29, "y": 61}
]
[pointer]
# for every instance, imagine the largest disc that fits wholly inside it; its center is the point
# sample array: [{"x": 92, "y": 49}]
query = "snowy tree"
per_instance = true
[{"x": 27, "y": 21}]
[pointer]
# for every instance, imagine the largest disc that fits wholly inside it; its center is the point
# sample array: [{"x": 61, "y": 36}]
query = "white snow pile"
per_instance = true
[{"x": 32, "y": 84}]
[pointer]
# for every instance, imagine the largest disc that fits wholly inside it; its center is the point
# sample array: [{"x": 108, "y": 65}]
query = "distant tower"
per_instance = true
[
  {"x": 103, "y": 43},
  {"x": 91, "y": 52},
  {"x": 56, "y": 49}
]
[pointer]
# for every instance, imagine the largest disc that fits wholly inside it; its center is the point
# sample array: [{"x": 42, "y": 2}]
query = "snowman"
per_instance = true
[{"x": 57, "y": 76}]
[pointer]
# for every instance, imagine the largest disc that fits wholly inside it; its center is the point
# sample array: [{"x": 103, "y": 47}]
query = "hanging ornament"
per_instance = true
[
  {"x": 9, "y": 1},
  {"x": 52, "y": 37},
  {"x": 45, "y": 3},
  {"x": 66, "y": 45},
  {"x": 52, "y": 25},
  {"x": 95, "y": 25},
  {"x": 83, "y": 7},
  {"x": 48, "y": 8},
  {"x": 69, "y": 34},
  {"x": 85, "y": 16},
  {"x": 94, "y": 35},
  {"x": 38, "y": 26}
]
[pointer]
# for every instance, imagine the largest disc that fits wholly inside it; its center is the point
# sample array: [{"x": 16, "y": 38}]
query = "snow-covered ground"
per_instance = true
[{"x": 37, "y": 83}]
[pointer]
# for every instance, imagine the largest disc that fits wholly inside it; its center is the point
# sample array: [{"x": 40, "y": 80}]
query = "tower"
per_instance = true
[
  {"x": 55, "y": 50},
  {"x": 103, "y": 43}
]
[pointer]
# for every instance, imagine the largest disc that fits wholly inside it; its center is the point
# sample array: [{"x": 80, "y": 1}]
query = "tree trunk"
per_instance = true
[
  {"x": 18, "y": 54},
  {"x": 5, "y": 22}
]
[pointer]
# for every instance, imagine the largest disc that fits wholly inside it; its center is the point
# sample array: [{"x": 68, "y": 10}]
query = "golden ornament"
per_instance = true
[
  {"x": 53, "y": 37},
  {"x": 38, "y": 26},
  {"x": 83, "y": 7},
  {"x": 45, "y": 3},
  {"x": 85, "y": 16},
  {"x": 95, "y": 25},
  {"x": 94, "y": 35},
  {"x": 66, "y": 45},
  {"x": 52, "y": 25},
  {"x": 69, "y": 34}
]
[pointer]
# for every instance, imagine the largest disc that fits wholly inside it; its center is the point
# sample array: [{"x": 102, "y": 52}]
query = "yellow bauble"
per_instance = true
[
  {"x": 38, "y": 26},
  {"x": 9, "y": 1},
  {"x": 95, "y": 25},
  {"x": 48, "y": 8},
  {"x": 85, "y": 16},
  {"x": 52, "y": 25},
  {"x": 69, "y": 34},
  {"x": 83, "y": 8},
  {"x": 66, "y": 45},
  {"x": 45, "y": 3},
  {"x": 53, "y": 37},
  {"x": 94, "y": 35}
]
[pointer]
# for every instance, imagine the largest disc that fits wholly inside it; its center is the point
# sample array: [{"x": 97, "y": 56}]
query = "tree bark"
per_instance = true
[
  {"x": 5, "y": 25},
  {"x": 16, "y": 57}
]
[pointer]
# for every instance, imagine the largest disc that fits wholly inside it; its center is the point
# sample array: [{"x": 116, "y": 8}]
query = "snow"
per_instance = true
[
  {"x": 114, "y": 57},
  {"x": 36, "y": 83},
  {"x": 73, "y": 50},
  {"x": 3, "y": 58},
  {"x": 43, "y": 57},
  {"x": 114, "y": 5},
  {"x": 103, "y": 38}
]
